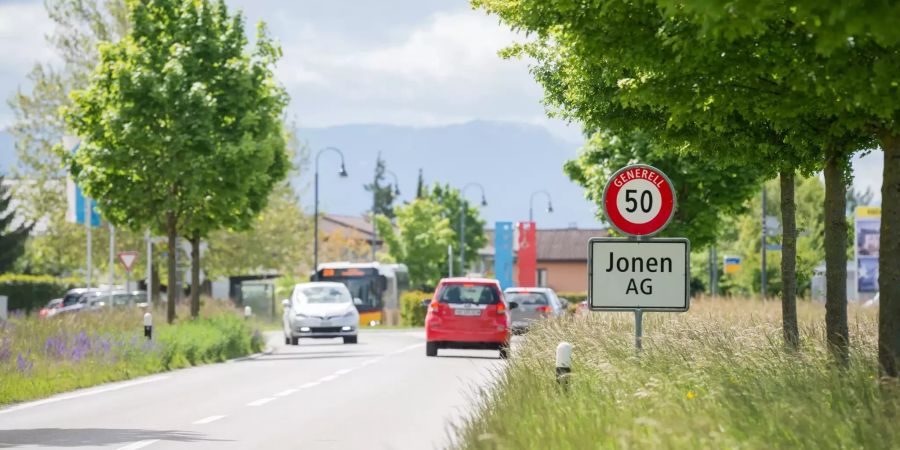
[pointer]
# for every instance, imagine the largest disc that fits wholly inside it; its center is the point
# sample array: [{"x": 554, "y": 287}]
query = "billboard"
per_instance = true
[
  {"x": 503, "y": 254},
  {"x": 866, "y": 247},
  {"x": 527, "y": 255}
]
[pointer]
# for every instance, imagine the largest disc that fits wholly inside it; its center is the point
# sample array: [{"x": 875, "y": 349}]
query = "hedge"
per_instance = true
[
  {"x": 412, "y": 313},
  {"x": 30, "y": 292},
  {"x": 573, "y": 297}
]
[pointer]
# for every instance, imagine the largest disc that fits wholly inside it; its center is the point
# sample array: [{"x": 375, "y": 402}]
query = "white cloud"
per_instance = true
[
  {"x": 442, "y": 70},
  {"x": 23, "y": 27}
]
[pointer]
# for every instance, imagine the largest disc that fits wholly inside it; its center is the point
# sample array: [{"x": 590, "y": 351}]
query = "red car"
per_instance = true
[{"x": 467, "y": 313}]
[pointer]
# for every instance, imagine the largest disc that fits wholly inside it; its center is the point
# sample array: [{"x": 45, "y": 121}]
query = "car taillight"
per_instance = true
[
  {"x": 435, "y": 307},
  {"x": 544, "y": 309},
  {"x": 501, "y": 308}
]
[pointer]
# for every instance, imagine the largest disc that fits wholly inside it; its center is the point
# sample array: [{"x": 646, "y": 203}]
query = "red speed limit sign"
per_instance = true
[{"x": 639, "y": 200}]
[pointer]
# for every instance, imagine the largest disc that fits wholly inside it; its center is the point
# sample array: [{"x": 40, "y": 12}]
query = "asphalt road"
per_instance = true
[{"x": 382, "y": 393}]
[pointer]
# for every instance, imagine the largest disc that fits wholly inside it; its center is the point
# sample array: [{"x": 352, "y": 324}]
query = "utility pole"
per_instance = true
[
  {"x": 713, "y": 271},
  {"x": 112, "y": 259},
  {"x": 763, "y": 246},
  {"x": 149, "y": 269},
  {"x": 87, "y": 223}
]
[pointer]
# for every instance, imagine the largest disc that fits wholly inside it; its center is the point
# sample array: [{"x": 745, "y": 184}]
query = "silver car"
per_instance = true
[
  {"x": 532, "y": 304},
  {"x": 320, "y": 310}
]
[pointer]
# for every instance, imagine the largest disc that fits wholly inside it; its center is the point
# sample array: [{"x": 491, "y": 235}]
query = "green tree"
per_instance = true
[
  {"x": 279, "y": 237},
  {"x": 278, "y": 240},
  {"x": 623, "y": 65},
  {"x": 421, "y": 187},
  {"x": 39, "y": 127},
  {"x": 422, "y": 240},
  {"x": 383, "y": 193},
  {"x": 704, "y": 192},
  {"x": 182, "y": 130},
  {"x": 451, "y": 204},
  {"x": 12, "y": 239},
  {"x": 743, "y": 240},
  {"x": 855, "y": 52}
]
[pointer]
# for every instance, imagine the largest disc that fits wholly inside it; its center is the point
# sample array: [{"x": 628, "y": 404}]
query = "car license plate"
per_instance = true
[{"x": 466, "y": 312}]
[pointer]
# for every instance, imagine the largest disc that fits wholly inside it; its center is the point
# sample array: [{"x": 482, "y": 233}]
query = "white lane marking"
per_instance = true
[
  {"x": 87, "y": 393},
  {"x": 209, "y": 419},
  {"x": 261, "y": 401},
  {"x": 405, "y": 349},
  {"x": 344, "y": 371},
  {"x": 327, "y": 378},
  {"x": 370, "y": 361},
  {"x": 286, "y": 393},
  {"x": 139, "y": 444},
  {"x": 309, "y": 385}
]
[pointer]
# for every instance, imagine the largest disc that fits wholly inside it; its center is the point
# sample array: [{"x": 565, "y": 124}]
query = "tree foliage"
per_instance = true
[
  {"x": 12, "y": 234},
  {"x": 182, "y": 128},
  {"x": 421, "y": 240},
  {"x": 383, "y": 193},
  {"x": 39, "y": 127},
  {"x": 705, "y": 192},
  {"x": 687, "y": 74},
  {"x": 451, "y": 204}
]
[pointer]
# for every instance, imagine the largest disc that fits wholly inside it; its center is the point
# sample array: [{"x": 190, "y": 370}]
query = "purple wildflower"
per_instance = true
[
  {"x": 81, "y": 347},
  {"x": 55, "y": 346},
  {"x": 5, "y": 351},
  {"x": 24, "y": 363}
]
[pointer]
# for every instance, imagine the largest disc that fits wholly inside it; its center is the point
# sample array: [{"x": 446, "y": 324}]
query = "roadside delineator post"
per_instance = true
[
  {"x": 148, "y": 325},
  {"x": 248, "y": 311},
  {"x": 563, "y": 363}
]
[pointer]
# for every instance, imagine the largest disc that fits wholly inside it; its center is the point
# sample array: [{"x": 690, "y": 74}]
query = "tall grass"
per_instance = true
[
  {"x": 40, "y": 357},
  {"x": 715, "y": 377}
]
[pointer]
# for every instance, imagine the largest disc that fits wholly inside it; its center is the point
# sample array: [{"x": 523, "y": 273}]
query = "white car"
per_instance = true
[{"x": 320, "y": 310}]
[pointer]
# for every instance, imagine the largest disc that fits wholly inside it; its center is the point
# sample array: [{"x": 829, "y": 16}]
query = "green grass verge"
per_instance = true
[
  {"x": 39, "y": 358},
  {"x": 716, "y": 377}
]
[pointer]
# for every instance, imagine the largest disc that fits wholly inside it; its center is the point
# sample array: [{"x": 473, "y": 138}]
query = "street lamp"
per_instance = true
[
  {"x": 374, "y": 200},
  {"x": 462, "y": 223},
  {"x": 531, "y": 204},
  {"x": 343, "y": 174}
]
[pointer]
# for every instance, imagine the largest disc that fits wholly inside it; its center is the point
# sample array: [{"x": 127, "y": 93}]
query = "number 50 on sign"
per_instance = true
[{"x": 639, "y": 200}]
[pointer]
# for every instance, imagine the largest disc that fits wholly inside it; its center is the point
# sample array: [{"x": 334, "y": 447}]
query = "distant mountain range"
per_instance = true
[{"x": 511, "y": 160}]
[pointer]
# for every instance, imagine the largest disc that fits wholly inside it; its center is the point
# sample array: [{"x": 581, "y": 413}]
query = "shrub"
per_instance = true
[
  {"x": 573, "y": 297},
  {"x": 30, "y": 292},
  {"x": 412, "y": 313},
  {"x": 41, "y": 357}
]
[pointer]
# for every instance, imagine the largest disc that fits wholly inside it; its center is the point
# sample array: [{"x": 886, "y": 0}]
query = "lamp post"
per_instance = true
[
  {"x": 343, "y": 174},
  {"x": 531, "y": 204},
  {"x": 374, "y": 203},
  {"x": 462, "y": 223}
]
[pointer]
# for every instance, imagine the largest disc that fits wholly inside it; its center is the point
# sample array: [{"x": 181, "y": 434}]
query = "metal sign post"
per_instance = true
[
  {"x": 128, "y": 259},
  {"x": 639, "y": 273}
]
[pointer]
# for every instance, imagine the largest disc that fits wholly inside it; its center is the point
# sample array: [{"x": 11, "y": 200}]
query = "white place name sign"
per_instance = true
[{"x": 650, "y": 274}]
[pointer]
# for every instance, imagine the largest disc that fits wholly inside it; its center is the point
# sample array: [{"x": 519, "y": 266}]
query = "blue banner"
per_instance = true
[
  {"x": 503, "y": 254},
  {"x": 75, "y": 199}
]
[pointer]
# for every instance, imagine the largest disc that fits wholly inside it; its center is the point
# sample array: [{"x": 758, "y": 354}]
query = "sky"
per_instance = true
[{"x": 398, "y": 62}]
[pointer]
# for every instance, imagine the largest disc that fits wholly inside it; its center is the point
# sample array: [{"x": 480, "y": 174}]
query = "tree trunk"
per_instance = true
[
  {"x": 172, "y": 289},
  {"x": 195, "y": 275},
  {"x": 889, "y": 260},
  {"x": 789, "y": 262},
  {"x": 837, "y": 334},
  {"x": 155, "y": 284}
]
